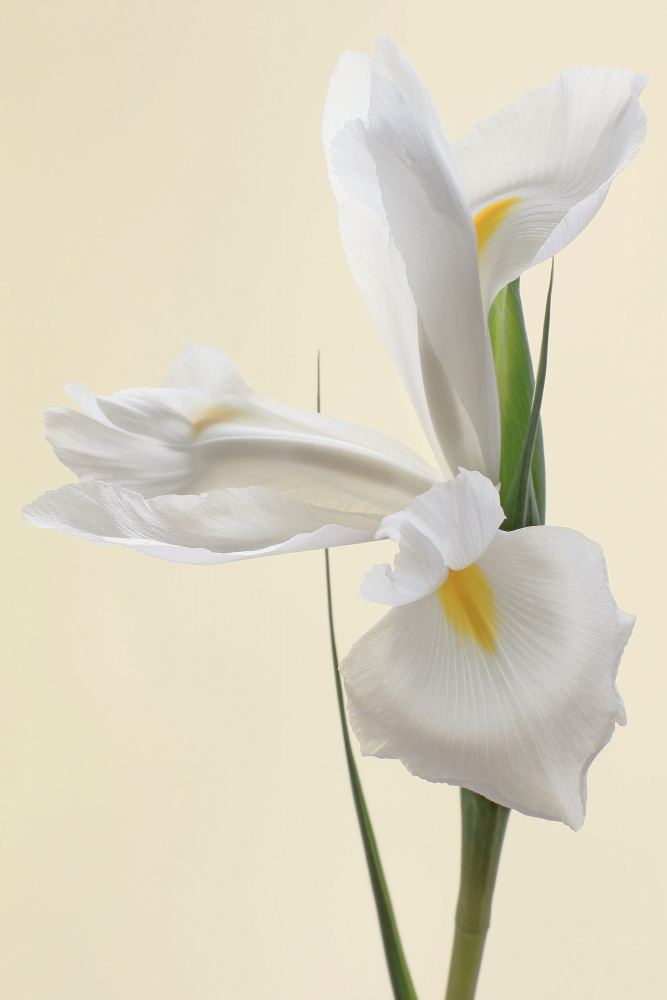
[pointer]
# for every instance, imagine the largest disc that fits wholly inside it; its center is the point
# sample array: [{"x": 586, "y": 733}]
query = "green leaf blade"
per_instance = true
[
  {"x": 516, "y": 385},
  {"x": 519, "y": 505},
  {"x": 397, "y": 966}
]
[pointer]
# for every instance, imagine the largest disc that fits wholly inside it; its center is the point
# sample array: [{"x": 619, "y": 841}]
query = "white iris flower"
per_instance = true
[
  {"x": 495, "y": 668},
  {"x": 432, "y": 231},
  {"x": 206, "y": 470}
]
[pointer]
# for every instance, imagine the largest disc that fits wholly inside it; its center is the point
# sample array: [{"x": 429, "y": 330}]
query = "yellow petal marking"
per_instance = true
[
  {"x": 213, "y": 415},
  {"x": 488, "y": 220},
  {"x": 469, "y": 605}
]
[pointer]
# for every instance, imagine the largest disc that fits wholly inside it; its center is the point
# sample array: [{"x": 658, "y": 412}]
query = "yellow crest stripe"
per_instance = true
[
  {"x": 467, "y": 600},
  {"x": 211, "y": 416},
  {"x": 488, "y": 220}
]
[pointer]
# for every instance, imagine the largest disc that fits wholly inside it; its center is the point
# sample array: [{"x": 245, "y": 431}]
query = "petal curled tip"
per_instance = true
[
  {"x": 202, "y": 366},
  {"x": 639, "y": 82},
  {"x": 519, "y": 719},
  {"x": 390, "y": 526},
  {"x": 459, "y": 517},
  {"x": 448, "y": 527}
]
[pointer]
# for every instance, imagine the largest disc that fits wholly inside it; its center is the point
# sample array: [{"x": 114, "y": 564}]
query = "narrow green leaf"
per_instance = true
[
  {"x": 519, "y": 497},
  {"x": 516, "y": 383},
  {"x": 399, "y": 974}
]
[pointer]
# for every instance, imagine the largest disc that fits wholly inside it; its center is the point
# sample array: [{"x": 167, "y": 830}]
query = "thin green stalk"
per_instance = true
[
  {"x": 483, "y": 825},
  {"x": 399, "y": 973}
]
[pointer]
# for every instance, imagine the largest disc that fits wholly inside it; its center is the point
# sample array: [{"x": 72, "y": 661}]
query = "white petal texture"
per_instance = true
[
  {"x": 501, "y": 679},
  {"x": 432, "y": 232},
  {"x": 378, "y": 115},
  {"x": 218, "y": 527},
  {"x": 206, "y": 429},
  {"x": 446, "y": 528},
  {"x": 555, "y": 150},
  {"x": 376, "y": 264},
  {"x": 206, "y": 470}
]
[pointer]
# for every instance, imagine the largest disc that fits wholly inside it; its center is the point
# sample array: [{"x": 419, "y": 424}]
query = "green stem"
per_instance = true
[
  {"x": 483, "y": 826},
  {"x": 399, "y": 973},
  {"x": 483, "y": 823}
]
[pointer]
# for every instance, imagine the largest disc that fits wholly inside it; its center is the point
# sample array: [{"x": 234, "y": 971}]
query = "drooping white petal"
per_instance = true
[
  {"x": 218, "y": 527},
  {"x": 220, "y": 433},
  {"x": 434, "y": 233},
  {"x": 555, "y": 150},
  {"x": 520, "y": 717}
]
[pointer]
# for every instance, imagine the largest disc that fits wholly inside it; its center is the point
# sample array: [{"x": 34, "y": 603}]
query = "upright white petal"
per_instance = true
[
  {"x": 500, "y": 678},
  {"x": 208, "y": 429},
  {"x": 397, "y": 185},
  {"x": 541, "y": 167},
  {"x": 218, "y": 527},
  {"x": 375, "y": 263}
]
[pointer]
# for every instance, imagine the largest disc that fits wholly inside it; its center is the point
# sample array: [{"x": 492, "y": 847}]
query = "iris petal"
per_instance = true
[
  {"x": 555, "y": 150},
  {"x": 519, "y": 722},
  {"x": 210, "y": 430},
  {"x": 218, "y": 527}
]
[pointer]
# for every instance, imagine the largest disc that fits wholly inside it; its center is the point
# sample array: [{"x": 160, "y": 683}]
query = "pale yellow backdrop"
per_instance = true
[{"x": 175, "y": 820}]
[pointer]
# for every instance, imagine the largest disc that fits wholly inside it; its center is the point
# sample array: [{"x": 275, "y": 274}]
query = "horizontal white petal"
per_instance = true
[
  {"x": 519, "y": 724},
  {"x": 95, "y": 449},
  {"x": 556, "y": 149},
  {"x": 219, "y": 433},
  {"x": 218, "y": 527}
]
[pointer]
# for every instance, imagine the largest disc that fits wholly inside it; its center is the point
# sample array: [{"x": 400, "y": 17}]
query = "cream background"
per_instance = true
[{"x": 175, "y": 820}]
